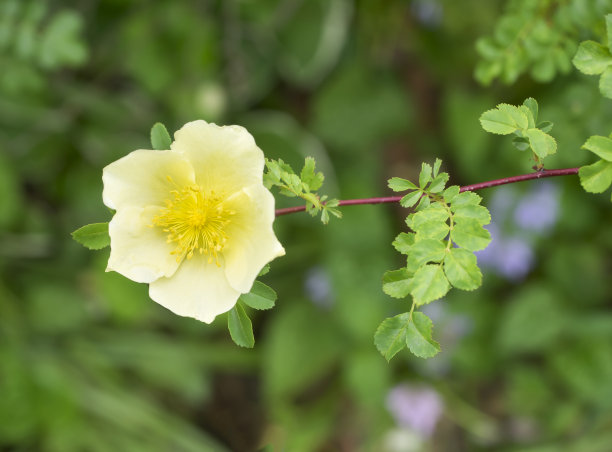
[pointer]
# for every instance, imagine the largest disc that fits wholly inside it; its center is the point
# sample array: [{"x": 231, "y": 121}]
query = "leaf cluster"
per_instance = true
[
  {"x": 261, "y": 297},
  {"x": 532, "y": 36},
  {"x": 597, "y": 177},
  {"x": 445, "y": 229},
  {"x": 521, "y": 121},
  {"x": 593, "y": 58},
  {"x": 305, "y": 185}
]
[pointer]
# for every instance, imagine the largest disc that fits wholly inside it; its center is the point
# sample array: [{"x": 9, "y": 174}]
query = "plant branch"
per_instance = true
[{"x": 473, "y": 187}]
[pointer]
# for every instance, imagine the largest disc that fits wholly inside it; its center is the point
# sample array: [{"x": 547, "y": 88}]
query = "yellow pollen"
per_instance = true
[{"x": 196, "y": 222}]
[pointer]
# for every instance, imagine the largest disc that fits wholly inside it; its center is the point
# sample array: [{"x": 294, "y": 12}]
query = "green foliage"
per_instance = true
[
  {"x": 240, "y": 327},
  {"x": 260, "y": 297},
  {"x": 93, "y": 236},
  {"x": 160, "y": 138},
  {"x": 593, "y": 58},
  {"x": 446, "y": 229},
  {"x": 536, "y": 37},
  {"x": 521, "y": 121},
  {"x": 597, "y": 177},
  {"x": 280, "y": 174}
]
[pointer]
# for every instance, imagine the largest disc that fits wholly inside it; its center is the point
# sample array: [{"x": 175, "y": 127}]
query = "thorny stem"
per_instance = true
[{"x": 473, "y": 187}]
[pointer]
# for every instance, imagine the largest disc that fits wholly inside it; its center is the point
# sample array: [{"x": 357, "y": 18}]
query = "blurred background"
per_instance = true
[{"x": 370, "y": 89}]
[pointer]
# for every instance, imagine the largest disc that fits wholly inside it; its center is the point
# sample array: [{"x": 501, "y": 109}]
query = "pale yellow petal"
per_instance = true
[
  {"x": 225, "y": 158},
  {"x": 251, "y": 241},
  {"x": 197, "y": 289},
  {"x": 138, "y": 251},
  {"x": 144, "y": 178}
]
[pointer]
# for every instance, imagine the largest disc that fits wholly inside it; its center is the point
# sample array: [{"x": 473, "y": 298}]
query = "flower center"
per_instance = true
[{"x": 196, "y": 222}]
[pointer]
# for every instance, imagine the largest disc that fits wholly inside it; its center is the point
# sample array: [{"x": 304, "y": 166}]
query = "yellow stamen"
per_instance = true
[{"x": 196, "y": 221}]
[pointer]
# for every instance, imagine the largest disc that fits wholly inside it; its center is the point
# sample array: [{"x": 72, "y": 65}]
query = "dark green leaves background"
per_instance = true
[{"x": 370, "y": 89}]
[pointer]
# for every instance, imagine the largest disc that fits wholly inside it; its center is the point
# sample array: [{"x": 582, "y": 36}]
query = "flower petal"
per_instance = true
[
  {"x": 197, "y": 289},
  {"x": 138, "y": 251},
  {"x": 251, "y": 241},
  {"x": 141, "y": 178},
  {"x": 225, "y": 158}
]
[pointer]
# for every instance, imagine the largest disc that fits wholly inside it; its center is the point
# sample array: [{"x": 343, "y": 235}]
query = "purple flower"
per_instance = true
[
  {"x": 538, "y": 210},
  {"x": 416, "y": 407}
]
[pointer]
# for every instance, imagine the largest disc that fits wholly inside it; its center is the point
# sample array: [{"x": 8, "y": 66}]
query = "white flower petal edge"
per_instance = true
[
  {"x": 253, "y": 243},
  {"x": 141, "y": 178},
  {"x": 225, "y": 158},
  {"x": 198, "y": 289},
  {"x": 139, "y": 251}
]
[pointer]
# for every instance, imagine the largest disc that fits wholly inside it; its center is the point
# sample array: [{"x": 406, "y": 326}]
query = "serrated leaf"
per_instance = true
[
  {"x": 390, "y": 336},
  {"x": 469, "y": 234},
  {"x": 403, "y": 242},
  {"x": 497, "y": 122},
  {"x": 432, "y": 230},
  {"x": 427, "y": 250},
  {"x": 411, "y": 199},
  {"x": 465, "y": 199},
  {"x": 429, "y": 283},
  {"x": 541, "y": 143},
  {"x": 592, "y": 58},
  {"x": 160, "y": 138},
  {"x": 529, "y": 114},
  {"x": 396, "y": 283},
  {"x": 399, "y": 184},
  {"x": 596, "y": 178},
  {"x": 312, "y": 180},
  {"x": 477, "y": 212},
  {"x": 419, "y": 338},
  {"x": 450, "y": 193},
  {"x": 518, "y": 116},
  {"x": 438, "y": 183},
  {"x": 93, "y": 236},
  {"x": 423, "y": 203},
  {"x": 260, "y": 297},
  {"x": 601, "y": 146},
  {"x": 240, "y": 327},
  {"x": 435, "y": 212},
  {"x": 545, "y": 126},
  {"x": 605, "y": 83},
  {"x": 436, "y": 167},
  {"x": 532, "y": 105},
  {"x": 521, "y": 143},
  {"x": 425, "y": 175},
  {"x": 461, "y": 269}
]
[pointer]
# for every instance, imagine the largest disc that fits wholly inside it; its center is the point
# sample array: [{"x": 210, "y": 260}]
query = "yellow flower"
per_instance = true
[{"x": 194, "y": 222}]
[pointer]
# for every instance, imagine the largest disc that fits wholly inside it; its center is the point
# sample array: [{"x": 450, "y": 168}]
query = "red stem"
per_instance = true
[{"x": 481, "y": 185}]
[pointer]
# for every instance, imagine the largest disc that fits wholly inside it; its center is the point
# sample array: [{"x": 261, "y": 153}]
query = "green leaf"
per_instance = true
[
  {"x": 260, "y": 297},
  {"x": 450, "y": 193},
  {"x": 518, "y": 116},
  {"x": 605, "y": 83},
  {"x": 396, "y": 283},
  {"x": 427, "y": 250},
  {"x": 477, "y": 212},
  {"x": 93, "y": 236},
  {"x": 418, "y": 336},
  {"x": 521, "y": 143},
  {"x": 435, "y": 212},
  {"x": 264, "y": 270},
  {"x": 608, "y": 18},
  {"x": 532, "y": 105},
  {"x": 399, "y": 184},
  {"x": 428, "y": 284},
  {"x": 461, "y": 269},
  {"x": 498, "y": 122},
  {"x": 469, "y": 234},
  {"x": 411, "y": 198},
  {"x": 541, "y": 143},
  {"x": 436, "y": 167},
  {"x": 312, "y": 180},
  {"x": 160, "y": 138},
  {"x": 432, "y": 230},
  {"x": 465, "y": 199},
  {"x": 601, "y": 146},
  {"x": 425, "y": 175},
  {"x": 403, "y": 242},
  {"x": 437, "y": 185},
  {"x": 545, "y": 126},
  {"x": 390, "y": 336},
  {"x": 592, "y": 58},
  {"x": 597, "y": 177},
  {"x": 240, "y": 327}
]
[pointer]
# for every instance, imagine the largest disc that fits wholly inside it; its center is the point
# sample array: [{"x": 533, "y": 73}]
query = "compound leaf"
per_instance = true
[
  {"x": 396, "y": 283},
  {"x": 390, "y": 336},
  {"x": 428, "y": 284},
  {"x": 468, "y": 233},
  {"x": 461, "y": 269},
  {"x": 418, "y": 336}
]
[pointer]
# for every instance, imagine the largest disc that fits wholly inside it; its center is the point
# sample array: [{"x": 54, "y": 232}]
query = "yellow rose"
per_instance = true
[{"x": 194, "y": 222}]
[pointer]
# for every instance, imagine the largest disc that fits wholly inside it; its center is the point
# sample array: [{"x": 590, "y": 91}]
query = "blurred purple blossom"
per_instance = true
[
  {"x": 318, "y": 287},
  {"x": 416, "y": 407},
  {"x": 512, "y": 257},
  {"x": 538, "y": 211}
]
